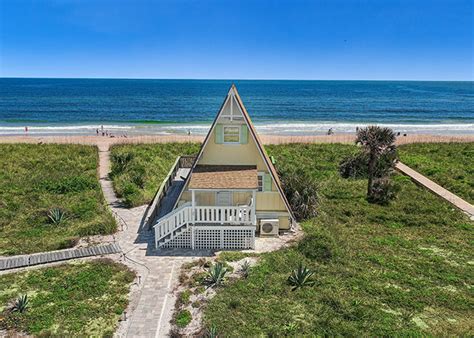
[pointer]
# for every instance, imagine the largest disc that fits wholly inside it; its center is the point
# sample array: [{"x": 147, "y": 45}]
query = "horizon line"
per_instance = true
[{"x": 221, "y": 79}]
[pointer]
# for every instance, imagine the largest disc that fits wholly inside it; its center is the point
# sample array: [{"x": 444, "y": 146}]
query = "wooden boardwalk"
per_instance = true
[
  {"x": 173, "y": 193},
  {"x": 437, "y": 189},
  {"x": 14, "y": 262}
]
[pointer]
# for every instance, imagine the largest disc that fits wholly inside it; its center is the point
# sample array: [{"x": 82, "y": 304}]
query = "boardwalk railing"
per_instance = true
[{"x": 185, "y": 161}]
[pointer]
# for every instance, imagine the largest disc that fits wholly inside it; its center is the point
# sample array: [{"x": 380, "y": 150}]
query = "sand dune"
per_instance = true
[{"x": 267, "y": 139}]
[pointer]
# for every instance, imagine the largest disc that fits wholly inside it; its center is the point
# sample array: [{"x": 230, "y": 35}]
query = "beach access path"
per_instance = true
[{"x": 455, "y": 200}]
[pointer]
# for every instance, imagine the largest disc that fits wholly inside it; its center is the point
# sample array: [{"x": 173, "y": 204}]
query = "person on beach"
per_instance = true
[
  {"x": 26, "y": 129},
  {"x": 97, "y": 131},
  {"x": 330, "y": 131}
]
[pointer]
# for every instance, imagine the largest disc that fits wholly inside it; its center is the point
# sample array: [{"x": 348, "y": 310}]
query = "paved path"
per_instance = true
[
  {"x": 151, "y": 310},
  {"x": 437, "y": 189},
  {"x": 21, "y": 261}
]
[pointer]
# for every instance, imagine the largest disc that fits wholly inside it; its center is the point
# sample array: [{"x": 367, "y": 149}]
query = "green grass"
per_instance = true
[
  {"x": 37, "y": 178},
  {"x": 77, "y": 299},
  {"x": 147, "y": 165},
  {"x": 379, "y": 270},
  {"x": 451, "y": 165}
]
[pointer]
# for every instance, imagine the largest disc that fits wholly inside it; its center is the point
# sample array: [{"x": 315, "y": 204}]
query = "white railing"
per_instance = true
[
  {"x": 222, "y": 215},
  {"x": 168, "y": 224}
]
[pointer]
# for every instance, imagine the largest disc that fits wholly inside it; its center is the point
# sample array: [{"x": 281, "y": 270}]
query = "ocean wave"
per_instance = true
[{"x": 280, "y": 128}]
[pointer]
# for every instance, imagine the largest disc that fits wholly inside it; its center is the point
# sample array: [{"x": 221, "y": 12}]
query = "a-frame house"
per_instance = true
[{"x": 232, "y": 191}]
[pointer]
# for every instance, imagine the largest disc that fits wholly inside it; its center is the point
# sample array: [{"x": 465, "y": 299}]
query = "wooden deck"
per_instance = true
[
  {"x": 437, "y": 189},
  {"x": 14, "y": 262}
]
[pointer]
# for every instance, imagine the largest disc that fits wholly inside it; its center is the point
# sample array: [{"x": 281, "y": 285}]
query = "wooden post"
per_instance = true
[{"x": 254, "y": 207}]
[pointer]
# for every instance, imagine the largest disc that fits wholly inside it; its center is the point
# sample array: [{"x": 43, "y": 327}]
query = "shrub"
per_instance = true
[
  {"x": 302, "y": 193},
  {"x": 301, "y": 277},
  {"x": 184, "y": 297},
  {"x": 383, "y": 191},
  {"x": 245, "y": 268},
  {"x": 56, "y": 216},
  {"x": 20, "y": 304},
  {"x": 183, "y": 318},
  {"x": 354, "y": 166},
  {"x": 212, "y": 332},
  {"x": 215, "y": 275}
]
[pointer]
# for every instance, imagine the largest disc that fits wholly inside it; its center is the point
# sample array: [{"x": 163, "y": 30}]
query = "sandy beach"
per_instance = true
[{"x": 266, "y": 139}]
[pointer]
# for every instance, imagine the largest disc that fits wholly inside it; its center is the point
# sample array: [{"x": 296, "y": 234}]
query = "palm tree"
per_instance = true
[{"x": 376, "y": 142}]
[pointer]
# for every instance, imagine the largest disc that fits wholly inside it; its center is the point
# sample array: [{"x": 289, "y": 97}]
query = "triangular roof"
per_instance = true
[{"x": 271, "y": 169}]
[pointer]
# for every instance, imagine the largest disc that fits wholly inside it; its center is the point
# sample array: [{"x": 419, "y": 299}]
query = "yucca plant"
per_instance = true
[
  {"x": 301, "y": 277},
  {"x": 212, "y": 332},
  {"x": 245, "y": 268},
  {"x": 215, "y": 275},
  {"x": 56, "y": 216},
  {"x": 20, "y": 304}
]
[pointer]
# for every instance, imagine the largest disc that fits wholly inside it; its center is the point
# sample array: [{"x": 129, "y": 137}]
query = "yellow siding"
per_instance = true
[
  {"x": 284, "y": 222},
  {"x": 271, "y": 201},
  {"x": 232, "y": 154}
]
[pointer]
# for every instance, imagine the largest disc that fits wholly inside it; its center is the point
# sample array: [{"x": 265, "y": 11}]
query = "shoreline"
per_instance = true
[{"x": 266, "y": 139}]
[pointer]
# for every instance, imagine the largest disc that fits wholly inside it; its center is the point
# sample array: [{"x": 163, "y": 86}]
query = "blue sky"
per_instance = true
[{"x": 238, "y": 39}]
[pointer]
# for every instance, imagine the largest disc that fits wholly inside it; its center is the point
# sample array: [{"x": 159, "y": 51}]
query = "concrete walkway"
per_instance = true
[
  {"x": 21, "y": 261},
  {"x": 152, "y": 306},
  {"x": 437, "y": 189}
]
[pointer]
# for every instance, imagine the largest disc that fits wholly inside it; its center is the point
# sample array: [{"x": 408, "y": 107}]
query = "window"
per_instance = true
[
  {"x": 231, "y": 134},
  {"x": 260, "y": 181}
]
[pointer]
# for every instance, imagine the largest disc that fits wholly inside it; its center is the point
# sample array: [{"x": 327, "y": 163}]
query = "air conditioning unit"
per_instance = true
[{"x": 269, "y": 227}]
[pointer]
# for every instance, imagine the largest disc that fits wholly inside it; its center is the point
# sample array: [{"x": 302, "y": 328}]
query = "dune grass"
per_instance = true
[
  {"x": 451, "y": 165},
  {"x": 402, "y": 269},
  {"x": 139, "y": 169},
  {"x": 37, "y": 178},
  {"x": 76, "y": 299}
]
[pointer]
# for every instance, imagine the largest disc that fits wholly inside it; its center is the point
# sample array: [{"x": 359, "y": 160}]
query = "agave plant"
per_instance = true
[
  {"x": 245, "y": 268},
  {"x": 56, "y": 215},
  {"x": 215, "y": 275},
  {"x": 20, "y": 304},
  {"x": 212, "y": 332},
  {"x": 301, "y": 277}
]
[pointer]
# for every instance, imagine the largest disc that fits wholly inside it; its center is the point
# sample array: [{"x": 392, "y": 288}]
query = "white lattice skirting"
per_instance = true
[{"x": 215, "y": 237}]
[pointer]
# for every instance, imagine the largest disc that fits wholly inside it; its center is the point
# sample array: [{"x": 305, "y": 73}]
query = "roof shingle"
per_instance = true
[{"x": 224, "y": 177}]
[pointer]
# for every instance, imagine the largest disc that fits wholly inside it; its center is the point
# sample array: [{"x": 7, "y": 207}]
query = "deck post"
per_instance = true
[{"x": 254, "y": 207}]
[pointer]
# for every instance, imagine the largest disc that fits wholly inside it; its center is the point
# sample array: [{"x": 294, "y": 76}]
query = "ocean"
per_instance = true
[{"x": 122, "y": 106}]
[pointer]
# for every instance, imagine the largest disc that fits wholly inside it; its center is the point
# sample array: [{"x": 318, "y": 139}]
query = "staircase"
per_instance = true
[{"x": 172, "y": 224}]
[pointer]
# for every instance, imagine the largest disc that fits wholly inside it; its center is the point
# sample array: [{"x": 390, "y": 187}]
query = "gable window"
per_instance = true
[
  {"x": 231, "y": 134},
  {"x": 260, "y": 182}
]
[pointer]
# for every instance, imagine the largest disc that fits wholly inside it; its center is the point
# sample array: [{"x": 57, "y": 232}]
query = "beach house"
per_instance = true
[{"x": 226, "y": 195}]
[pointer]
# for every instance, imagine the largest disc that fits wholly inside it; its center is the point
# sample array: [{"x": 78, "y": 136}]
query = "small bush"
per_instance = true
[
  {"x": 20, "y": 304},
  {"x": 215, "y": 275},
  {"x": 302, "y": 193},
  {"x": 245, "y": 268},
  {"x": 301, "y": 277},
  {"x": 383, "y": 191},
  {"x": 353, "y": 166},
  {"x": 184, "y": 297},
  {"x": 183, "y": 318},
  {"x": 57, "y": 216}
]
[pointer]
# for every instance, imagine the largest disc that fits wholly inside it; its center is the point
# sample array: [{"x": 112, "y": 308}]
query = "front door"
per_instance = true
[{"x": 224, "y": 198}]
